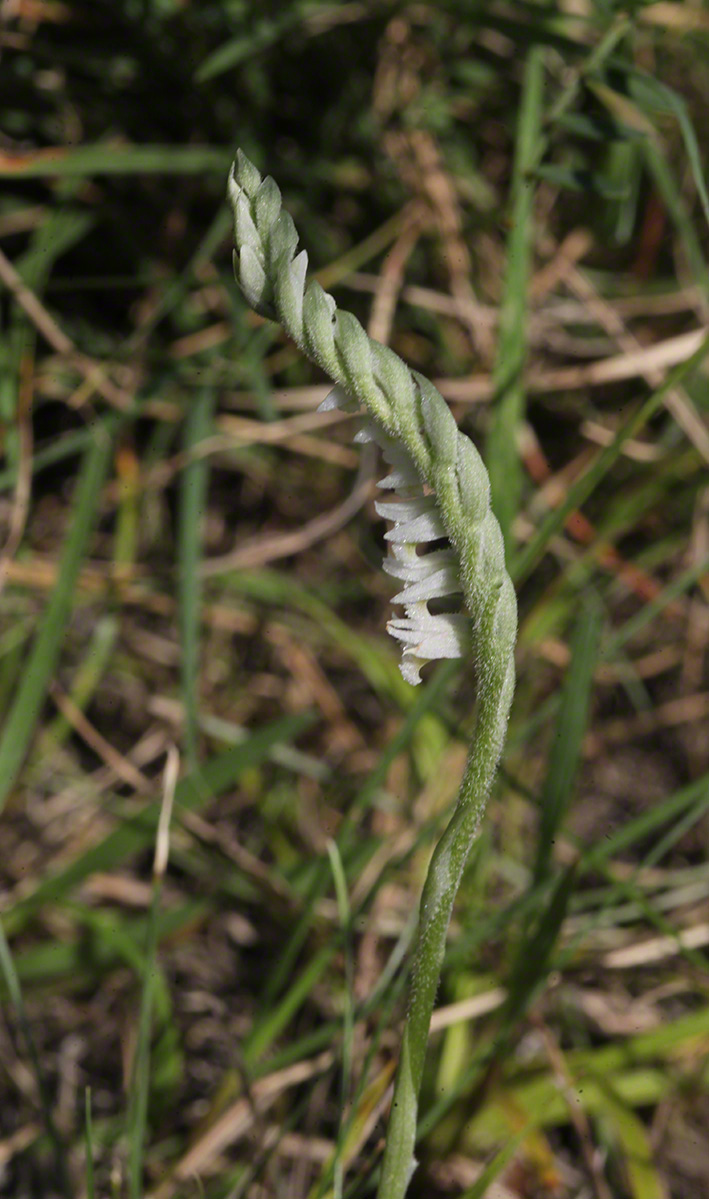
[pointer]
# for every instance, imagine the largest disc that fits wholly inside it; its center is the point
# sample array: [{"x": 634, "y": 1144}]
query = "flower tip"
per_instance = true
[{"x": 245, "y": 175}]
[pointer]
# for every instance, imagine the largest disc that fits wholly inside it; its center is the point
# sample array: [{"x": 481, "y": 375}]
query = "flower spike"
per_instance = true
[
  {"x": 443, "y": 492},
  {"x": 407, "y": 417}
]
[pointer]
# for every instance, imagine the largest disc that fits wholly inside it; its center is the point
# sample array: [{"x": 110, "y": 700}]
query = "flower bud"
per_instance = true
[
  {"x": 289, "y": 288},
  {"x": 439, "y": 423},
  {"x": 492, "y": 551},
  {"x": 245, "y": 174},
  {"x": 246, "y": 232},
  {"x": 393, "y": 375},
  {"x": 266, "y": 205},
  {"x": 284, "y": 237},
  {"x": 318, "y": 311},
  {"x": 353, "y": 344},
  {"x": 473, "y": 481},
  {"x": 251, "y": 278}
]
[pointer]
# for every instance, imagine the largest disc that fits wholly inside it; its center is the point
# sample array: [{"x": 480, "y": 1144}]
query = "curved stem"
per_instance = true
[{"x": 440, "y": 888}]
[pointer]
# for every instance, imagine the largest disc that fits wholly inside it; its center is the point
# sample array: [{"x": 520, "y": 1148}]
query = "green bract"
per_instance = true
[{"x": 420, "y": 440}]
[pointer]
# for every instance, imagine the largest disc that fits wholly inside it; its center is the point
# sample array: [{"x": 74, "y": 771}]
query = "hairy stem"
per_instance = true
[{"x": 440, "y": 888}]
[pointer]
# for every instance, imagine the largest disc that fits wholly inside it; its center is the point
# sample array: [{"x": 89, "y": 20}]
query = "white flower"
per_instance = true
[
  {"x": 426, "y": 637},
  {"x": 429, "y": 575}
]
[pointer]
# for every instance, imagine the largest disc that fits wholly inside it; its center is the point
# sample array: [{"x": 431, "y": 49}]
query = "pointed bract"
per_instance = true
[
  {"x": 252, "y": 279},
  {"x": 319, "y": 335},
  {"x": 439, "y": 423},
  {"x": 289, "y": 293},
  {"x": 246, "y": 232},
  {"x": 267, "y": 205}
]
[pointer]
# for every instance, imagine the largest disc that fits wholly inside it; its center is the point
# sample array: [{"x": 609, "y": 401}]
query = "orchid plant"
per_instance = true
[{"x": 440, "y": 490}]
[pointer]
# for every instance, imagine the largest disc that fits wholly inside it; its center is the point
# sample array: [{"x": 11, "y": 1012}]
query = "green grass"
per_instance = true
[
  {"x": 260, "y": 985},
  {"x": 506, "y": 475}
]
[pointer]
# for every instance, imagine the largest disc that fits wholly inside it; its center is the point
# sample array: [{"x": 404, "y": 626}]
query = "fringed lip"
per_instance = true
[
  {"x": 437, "y": 637},
  {"x": 426, "y": 637}
]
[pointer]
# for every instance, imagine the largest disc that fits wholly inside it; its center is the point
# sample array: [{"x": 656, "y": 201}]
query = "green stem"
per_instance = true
[{"x": 440, "y": 888}]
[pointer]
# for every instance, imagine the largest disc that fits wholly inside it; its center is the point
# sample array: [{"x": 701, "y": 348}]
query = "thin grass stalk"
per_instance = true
[
  {"x": 503, "y": 458},
  {"x": 345, "y": 915},
  {"x": 193, "y": 494},
  {"x": 22, "y": 719},
  {"x": 140, "y": 1076}
]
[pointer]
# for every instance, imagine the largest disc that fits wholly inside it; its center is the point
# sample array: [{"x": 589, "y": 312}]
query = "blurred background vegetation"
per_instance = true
[{"x": 512, "y": 195}]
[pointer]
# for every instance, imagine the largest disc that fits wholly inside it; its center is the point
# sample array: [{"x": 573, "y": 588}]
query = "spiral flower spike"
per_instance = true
[{"x": 440, "y": 489}]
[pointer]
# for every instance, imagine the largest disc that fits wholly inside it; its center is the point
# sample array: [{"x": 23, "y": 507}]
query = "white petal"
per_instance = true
[
  {"x": 420, "y": 566},
  {"x": 401, "y": 552},
  {"x": 440, "y": 583},
  {"x": 402, "y": 478},
  {"x": 428, "y": 527},
  {"x": 337, "y": 398},
  {"x": 405, "y": 510}
]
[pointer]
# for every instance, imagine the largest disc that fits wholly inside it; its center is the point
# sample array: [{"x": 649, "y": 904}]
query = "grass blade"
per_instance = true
[
  {"x": 654, "y": 95},
  {"x": 193, "y": 494},
  {"x": 135, "y": 833},
  {"x": 674, "y": 203},
  {"x": 569, "y": 734},
  {"x": 494, "y": 1168},
  {"x": 527, "y": 559},
  {"x": 116, "y": 160},
  {"x": 634, "y": 1145},
  {"x": 238, "y": 49},
  {"x": 533, "y": 960},
  {"x": 25, "y": 711},
  {"x": 345, "y": 915},
  {"x": 502, "y": 452},
  {"x": 635, "y": 830},
  {"x": 140, "y": 1078}
]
